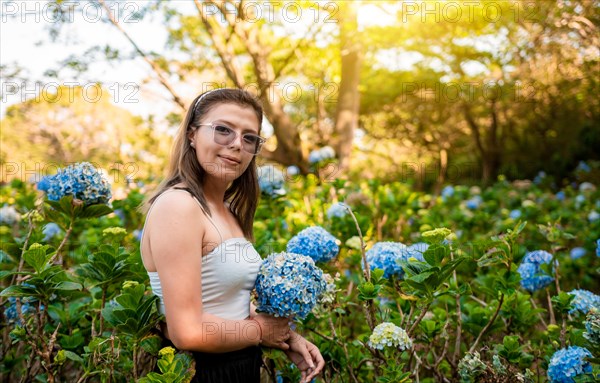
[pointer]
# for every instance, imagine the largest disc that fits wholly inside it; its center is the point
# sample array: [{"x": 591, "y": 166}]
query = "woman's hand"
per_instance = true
[
  {"x": 306, "y": 356},
  {"x": 275, "y": 331}
]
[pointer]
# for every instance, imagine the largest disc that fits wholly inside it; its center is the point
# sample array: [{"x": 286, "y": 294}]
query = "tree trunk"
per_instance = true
[
  {"x": 441, "y": 178},
  {"x": 348, "y": 99},
  {"x": 289, "y": 149}
]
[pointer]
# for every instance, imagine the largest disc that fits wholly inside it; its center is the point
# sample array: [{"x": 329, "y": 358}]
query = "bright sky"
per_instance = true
[
  {"x": 24, "y": 41},
  {"x": 20, "y": 39}
]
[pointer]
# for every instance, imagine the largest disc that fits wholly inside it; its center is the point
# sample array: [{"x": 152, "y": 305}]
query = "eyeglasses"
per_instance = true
[{"x": 224, "y": 135}]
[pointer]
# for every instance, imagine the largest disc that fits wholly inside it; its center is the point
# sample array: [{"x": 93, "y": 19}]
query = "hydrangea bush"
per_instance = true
[{"x": 455, "y": 309}]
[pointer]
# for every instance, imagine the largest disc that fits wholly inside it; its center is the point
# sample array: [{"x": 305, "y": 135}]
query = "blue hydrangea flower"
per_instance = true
[
  {"x": 389, "y": 335},
  {"x": 289, "y": 285},
  {"x": 44, "y": 183},
  {"x": 515, "y": 214},
  {"x": 584, "y": 167},
  {"x": 50, "y": 231},
  {"x": 598, "y": 247},
  {"x": 474, "y": 202},
  {"x": 271, "y": 180},
  {"x": 384, "y": 255},
  {"x": 560, "y": 195},
  {"x": 314, "y": 242},
  {"x": 533, "y": 278},
  {"x": 416, "y": 251},
  {"x": 9, "y": 215},
  {"x": 567, "y": 363},
  {"x": 27, "y": 308},
  {"x": 539, "y": 177},
  {"x": 319, "y": 155},
  {"x": 137, "y": 234},
  {"x": 447, "y": 192},
  {"x": 293, "y": 170},
  {"x": 584, "y": 301},
  {"x": 337, "y": 210},
  {"x": 593, "y": 216},
  {"x": 82, "y": 180},
  {"x": 579, "y": 199},
  {"x": 577, "y": 252},
  {"x": 121, "y": 214}
]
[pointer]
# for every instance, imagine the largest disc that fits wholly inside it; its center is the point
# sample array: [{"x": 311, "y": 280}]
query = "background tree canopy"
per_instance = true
[{"x": 434, "y": 91}]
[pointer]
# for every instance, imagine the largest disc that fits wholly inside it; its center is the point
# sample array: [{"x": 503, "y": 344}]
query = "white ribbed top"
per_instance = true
[{"x": 228, "y": 275}]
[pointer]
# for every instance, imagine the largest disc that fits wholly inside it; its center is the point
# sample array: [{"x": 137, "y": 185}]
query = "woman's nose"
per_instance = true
[{"x": 236, "y": 142}]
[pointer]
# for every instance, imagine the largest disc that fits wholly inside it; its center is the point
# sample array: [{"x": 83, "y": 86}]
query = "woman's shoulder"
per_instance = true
[{"x": 175, "y": 201}]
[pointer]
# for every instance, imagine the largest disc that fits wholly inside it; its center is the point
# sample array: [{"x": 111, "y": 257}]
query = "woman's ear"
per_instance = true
[{"x": 191, "y": 135}]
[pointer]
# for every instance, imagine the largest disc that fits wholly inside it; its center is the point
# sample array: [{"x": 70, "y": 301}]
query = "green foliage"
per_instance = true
[
  {"x": 426, "y": 278},
  {"x": 562, "y": 302},
  {"x": 512, "y": 351},
  {"x": 134, "y": 313},
  {"x": 94, "y": 314},
  {"x": 174, "y": 368}
]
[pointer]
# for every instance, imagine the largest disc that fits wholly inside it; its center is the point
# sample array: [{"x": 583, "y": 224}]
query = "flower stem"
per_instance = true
[
  {"x": 366, "y": 269},
  {"x": 488, "y": 325},
  {"x": 550, "y": 309},
  {"x": 62, "y": 244},
  {"x": 418, "y": 320}
]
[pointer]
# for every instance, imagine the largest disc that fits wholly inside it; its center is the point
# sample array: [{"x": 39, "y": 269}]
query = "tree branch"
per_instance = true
[{"x": 161, "y": 78}]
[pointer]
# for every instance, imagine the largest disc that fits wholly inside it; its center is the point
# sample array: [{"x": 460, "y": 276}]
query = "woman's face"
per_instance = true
[{"x": 225, "y": 162}]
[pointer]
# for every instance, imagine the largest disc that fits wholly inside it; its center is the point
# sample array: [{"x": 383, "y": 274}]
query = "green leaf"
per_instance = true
[
  {"x": 377, "y": 275},
  {"x": 493, "y": 256},
  {"x": 465, "y": 289},
  {"x": 17, "y": 291},
  {"x": 66, "y": 205},
  {"x": 73, "y": 356},
  {"x": 36, "y": 256},
  {"x": 66, "y": 286},
  {"x": 5, "y": 273},
  {"x": 413, "y": 267},
  {"x": 94, "y": 211},
  {"x": 520, "y": 226},
  {"x": 421, "y": 277},
  {"x": 151, "y": 344},
  {"x": 368, "y": 291},
  {"x": 435, "y": 254},
  {"x": 562, "y": 301}
]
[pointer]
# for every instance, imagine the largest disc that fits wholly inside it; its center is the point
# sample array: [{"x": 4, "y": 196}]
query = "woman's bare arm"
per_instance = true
[{"x": 175, "y": 234}]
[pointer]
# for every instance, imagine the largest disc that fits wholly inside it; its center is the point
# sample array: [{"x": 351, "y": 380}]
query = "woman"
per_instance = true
[{"x": 195, "y": 245}]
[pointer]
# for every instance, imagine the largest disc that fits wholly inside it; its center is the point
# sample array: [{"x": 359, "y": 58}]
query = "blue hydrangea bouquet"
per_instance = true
[{"x": 289, "y": 285}]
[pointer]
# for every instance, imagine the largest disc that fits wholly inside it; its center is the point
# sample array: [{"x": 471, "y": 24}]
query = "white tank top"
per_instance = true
[{"x": 228, "y": 275}]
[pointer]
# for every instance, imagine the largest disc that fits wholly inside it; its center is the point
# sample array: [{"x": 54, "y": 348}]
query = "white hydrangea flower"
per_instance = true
[{"x": 389, "y": 335}]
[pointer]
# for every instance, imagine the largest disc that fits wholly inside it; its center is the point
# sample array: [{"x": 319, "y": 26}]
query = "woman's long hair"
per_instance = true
[{"x": 184, "y": 167}]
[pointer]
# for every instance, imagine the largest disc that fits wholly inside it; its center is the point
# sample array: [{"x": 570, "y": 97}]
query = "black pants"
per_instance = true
[{"x": 242, "y": 366}]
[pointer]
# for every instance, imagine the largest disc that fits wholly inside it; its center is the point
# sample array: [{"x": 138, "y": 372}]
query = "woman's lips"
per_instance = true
[{"x": 229, "y": 160}]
